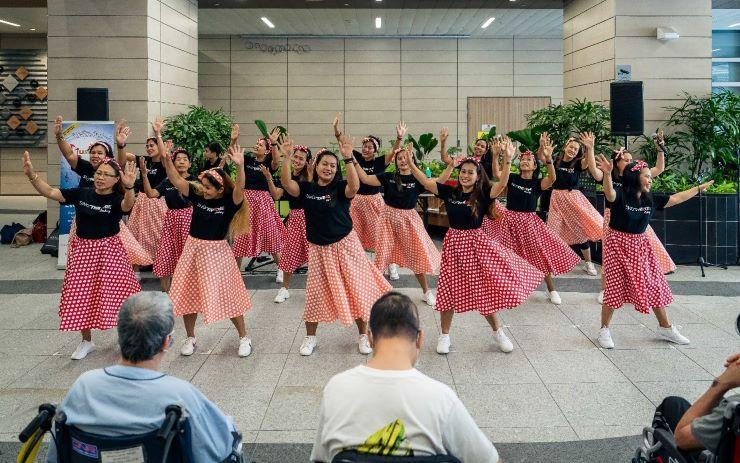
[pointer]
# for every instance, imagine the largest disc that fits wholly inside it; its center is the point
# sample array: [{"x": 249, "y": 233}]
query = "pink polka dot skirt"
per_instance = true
[
  {"x": 402, "y": 239},
  {"x": 146, "y": 221},
  {"x": 664, "y": 259},
  {"x": 295, "y": 249},
  {"x": 365, "y": 211},
  {"x": 573, "y": 218},
  {"x": 175, "y": 232},
  {"x": 266, "y": 229}
]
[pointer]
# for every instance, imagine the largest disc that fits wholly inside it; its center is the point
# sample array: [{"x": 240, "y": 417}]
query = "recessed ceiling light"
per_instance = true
[
  {"x": 378, "y": 22},
  {"x": 716, "y": 49},
  {"x": 488, "y": 22},
  {"x": 18, "y": 25},
  {"x": 268, "y": 22},
  {"x": 32, "y": 29},
  {"x": 731, "y": 25}
]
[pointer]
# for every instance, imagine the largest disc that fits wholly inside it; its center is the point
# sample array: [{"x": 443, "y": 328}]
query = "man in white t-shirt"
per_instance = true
[{"x": 387, "y": 407}]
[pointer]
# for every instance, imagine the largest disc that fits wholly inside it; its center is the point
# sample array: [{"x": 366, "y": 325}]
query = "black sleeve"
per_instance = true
[
  {"x": 162, "y": 188},
  {"x": 419, "y": 187},
  {"x": 444, "y": 191},
  {"x": 659, "y": 201},
  {"x": 383, "y": 179},
  {"x": 379, "y": 164},
  {"x": 268, "y": 164},
  {"x": 117, "y": 204},
  {"x": 617, "y": 198},
  {"x": 342, "y": 190},
  {"x": 71, "y": 195},
  {"x": 304, "y": 187},
  {"x": 83, "y": 167}
]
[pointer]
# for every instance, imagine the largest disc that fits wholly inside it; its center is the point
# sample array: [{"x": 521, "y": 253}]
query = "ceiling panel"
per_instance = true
[
  {"x": 387, "y": 4},
  {"x": 722, "y": 19},
  {"x": 28, "y": 18}
]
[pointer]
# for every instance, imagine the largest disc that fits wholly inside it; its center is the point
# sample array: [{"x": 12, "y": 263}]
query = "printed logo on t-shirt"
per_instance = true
[
  {"x": 388, "y": 440},
  {"x": 152, "y": 170},
  {"x": 211, "y": 210},
  {"x": 88, "y": 178},
  {"x": 408, "y": 186},
  {"x": 525, "y": 189},
  {"x": 324, "y": 198},
  {"x": 570, "y": 170},
  {"x": 369, "y": 169},
  {"x": 104, "y": 209},
  {"x": 644, "y": 209}
]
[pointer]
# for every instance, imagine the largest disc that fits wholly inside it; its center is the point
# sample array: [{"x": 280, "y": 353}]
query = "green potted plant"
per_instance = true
[{"x": 197, "y": 128}]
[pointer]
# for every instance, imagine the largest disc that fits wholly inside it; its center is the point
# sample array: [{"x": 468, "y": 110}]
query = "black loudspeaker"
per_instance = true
[
  {"x": 627, "y": 112},
  {"x": 92, "y": 104}
]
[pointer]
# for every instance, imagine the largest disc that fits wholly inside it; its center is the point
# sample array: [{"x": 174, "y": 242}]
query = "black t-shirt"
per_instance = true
[
  {"x": 617, "y": 186},
  {"x": 255, "y": 179},
  {"x": 567, "y": 175},
  {"x": 630, "y": 215},
  {"x": 155, "y": 173},
  {"x": 327, "y": 212},
  {"x": 215, "y": 165},
  {"x": 459, "y": 213},
  {"x": 172, "y": 195},
  {"x": 374, "y": 166},
  {"x": 211, "y": 217},
  {"x": 86, "y": 171},
  {"x": 97, "y": 216},
  {"x": 487, "y": 162},
  {"x": 400, "y": 198},
  {"x": 293, "y": 202},
  {"x": 522, "y": 194}
]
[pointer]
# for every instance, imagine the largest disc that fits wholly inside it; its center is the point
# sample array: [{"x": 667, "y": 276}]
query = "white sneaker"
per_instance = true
[
  {"x": 443, "y": 344},
  {"x": 605, "y": 338},
  {"x": 430, "y": 298},
  {"x": 504, "y": 343},
  {"x": 363, "y": 344},
  {"x": 555, "y": 298},
  {"x": 84, "y": 348},
  {"x": 589, "y": 268},
  {"x": 308, "y": 345},
  {"x": 137, "y": 275},
  {"x": 600, "y": 297},
  {"x": 279, "y": 276},
  {"x": 393, "y": 272},
  {"x": 282, "y": 295},
  {"x": 672, "y": 335},
  {"x": 245, "y": 346},
  {"x": 188, "y": 347}
]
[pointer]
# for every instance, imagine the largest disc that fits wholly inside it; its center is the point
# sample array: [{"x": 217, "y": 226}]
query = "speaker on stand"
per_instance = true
[
  {"x": 626, "y": 108},
  {"x": 92, "y": 104}
]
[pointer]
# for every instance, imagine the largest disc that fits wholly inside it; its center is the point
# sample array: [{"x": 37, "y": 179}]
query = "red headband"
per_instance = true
[
  {"x": 639, "y": 165},
  {"x": 301, "y": 148},
  {"x": 322, "y": 151},
  {"x": 177, "y": 151},
  {"x": 213, "y": 173},
  {"x": 110, "y": 161},
  {"x": 268, "y": 143},
  {"x": 371, "y": 140},
  {"x": 526, "y": 153}
]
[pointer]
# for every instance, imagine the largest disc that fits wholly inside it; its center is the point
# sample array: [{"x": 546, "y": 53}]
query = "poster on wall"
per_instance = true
[{"x": 79, "y": 135}]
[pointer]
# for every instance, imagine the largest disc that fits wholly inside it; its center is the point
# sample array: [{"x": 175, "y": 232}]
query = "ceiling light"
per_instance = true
[
  {"x": 487, "y": 23},
  {"x": 32, "y": 29},
  {"x": 716, "y": 49},
  {"x": 731, "y": 25},
  {"x": 378, "y": 22},
  {"x": 268, "y": 22},
  {"x": 18, "y": 25}
]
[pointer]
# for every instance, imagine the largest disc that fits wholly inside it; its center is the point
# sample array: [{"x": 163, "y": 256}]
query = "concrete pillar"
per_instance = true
[
  {"x": 144, "y": 51},
  {"x": 600, "y": 34}
]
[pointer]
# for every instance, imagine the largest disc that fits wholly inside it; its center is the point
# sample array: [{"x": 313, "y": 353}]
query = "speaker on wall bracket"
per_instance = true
[
  {"x": 92, "y": 104},
  {"x": 626, "y": 108}
]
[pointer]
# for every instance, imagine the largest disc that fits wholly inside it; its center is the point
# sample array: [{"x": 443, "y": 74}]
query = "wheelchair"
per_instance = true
[
  {"x": 171, "y": 443},
  {"x": 659, "y": 444},
  {"x": 351, "y": 456}
]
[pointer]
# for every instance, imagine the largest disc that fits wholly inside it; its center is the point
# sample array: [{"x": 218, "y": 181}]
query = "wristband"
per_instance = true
[
  {"x": 129, "y": 188},
  {"x": 120, "y": 147},
  {"x": 34, "y": 178},
  {"x": 548, "y": 162},
  {"x": 349, "y": 161}
]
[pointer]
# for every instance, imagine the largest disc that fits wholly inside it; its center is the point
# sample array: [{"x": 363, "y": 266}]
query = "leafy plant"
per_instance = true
[
  {"x": 529, "y": 138},
  {"x": 424, "y": 145},
  {"x": 197, "y": 128},
  {"x": 262, "y": 127}
]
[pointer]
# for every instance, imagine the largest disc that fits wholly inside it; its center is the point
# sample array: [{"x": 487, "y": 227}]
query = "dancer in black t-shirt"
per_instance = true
[
  {"x": 98, "y": 277},
  {"x": 631, "y": 269},
  {"x": 342, "y": 283}
]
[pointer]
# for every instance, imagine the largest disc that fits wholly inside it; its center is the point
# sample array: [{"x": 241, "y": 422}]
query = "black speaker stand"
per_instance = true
[{"x": 701, "y": 260}]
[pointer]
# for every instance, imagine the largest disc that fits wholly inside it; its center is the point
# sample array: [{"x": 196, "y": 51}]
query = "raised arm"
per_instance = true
[
  {"x": 371, "y": 180},
  {"x": 659, "y": 166},
  {"x": 678, "y": 198},
  {"x": 605, "y": 166},
  {"x": 547, "y": 150},
  {"x": 122, "y": 133},
  {"x": 346, "y": 146},
  {"x": 182, "y": 185},
  {"x": 236, "y": 155},
  {"x": 146, "y": 186},
  {"x": 39, "y": 184},
  {"x": 234, "y": 136},
  {"x": 274, "y": 136},
  {"x": 443, "y": 134},
  {"x": 128, "y": 177},
  {"x": 497, "y": 147},
  {"x": 544, "y": 141},
  {"x": 290, "y": 185},
  {"x": 335, "y": 126},
  {"x": 429, "y": 183},
  {"x": 275, "y": 192},
  {"x": 588, "y": 140},
  {"x": 63, "y": 144},
  {"x": 509, "y": 150},
  {"x": 400, "y": 133}
]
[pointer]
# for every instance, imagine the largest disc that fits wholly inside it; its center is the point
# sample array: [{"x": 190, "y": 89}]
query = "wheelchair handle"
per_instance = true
[
  {"x": 173, "y": 415},
  {"x": 42, "y": 420}
]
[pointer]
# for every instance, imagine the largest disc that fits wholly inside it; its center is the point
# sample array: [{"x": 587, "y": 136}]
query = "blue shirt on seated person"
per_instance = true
[{"x": 130, "y": 398}]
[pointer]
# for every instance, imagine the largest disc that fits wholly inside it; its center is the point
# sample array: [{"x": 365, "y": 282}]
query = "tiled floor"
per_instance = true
[{"x": 556, "y": 386}]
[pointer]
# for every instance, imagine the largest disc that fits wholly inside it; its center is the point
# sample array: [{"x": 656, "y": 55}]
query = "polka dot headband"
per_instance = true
[
  {"x": 372, "y": 140},
  {"x": 638, "y": 166},
  {"x": 212, "y": 173},
  {"x": 106, "y": 147}
]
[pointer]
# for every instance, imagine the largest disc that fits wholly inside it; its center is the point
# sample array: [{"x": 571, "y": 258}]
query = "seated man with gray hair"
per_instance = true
[{"x": 130, "y": 398}]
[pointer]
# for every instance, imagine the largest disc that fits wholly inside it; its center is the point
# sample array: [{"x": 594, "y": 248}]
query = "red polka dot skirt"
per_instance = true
[
  {"x": 295, "y": 248},
  {"x": 492, "y": 226},
  {"x": 365, "y": 211},
  {"x": 402, "y": 239},
  {"x": 664, "y": 259},
  {"x": 342, "y": 283},
  {"x": 145, "y": 222},
  {"x": 175, "y": 232},
  {"x": 97, "y": 280},
  {"x": 207, "y": 281},
  {"x": 136, "y": 254},
  {"x": 479, "y": 273},
  {"x": 632, "y": 273},
  {"x": 573, "y": 218},
  {"x": 532, "y": 240},
  {"x": 266, "y": 229}
]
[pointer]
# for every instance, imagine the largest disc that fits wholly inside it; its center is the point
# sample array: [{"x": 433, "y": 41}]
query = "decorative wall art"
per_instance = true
[{"x": 23, "y": 93}]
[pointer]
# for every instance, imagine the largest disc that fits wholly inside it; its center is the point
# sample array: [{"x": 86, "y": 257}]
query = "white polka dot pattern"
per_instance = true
[
  {"x": 175, "y": 232},
  {"x": 146, "y": 220},
  {"x": 402, "y": 239},
  {"x": 96, "y": 282},
  {"x": 266, "y": 229},
  {"x": 632, "y": 273},
  {"x": 342, "y": 283},
  {"x": 295, "y": 248},
  {"x": 479, "y": 273},
  {"x": 365, "y": 212},
  {"x": 664, "y": 259},
  {"x": 207, "y": 281},
  {"x": 531, "y": 239},
  {"x": 136, "y": 254},
  {"x": 573, "y": 218}
]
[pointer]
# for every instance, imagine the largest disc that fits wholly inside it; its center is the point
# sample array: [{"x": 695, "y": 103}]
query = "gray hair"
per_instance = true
[{"x": 144, "y": 321}]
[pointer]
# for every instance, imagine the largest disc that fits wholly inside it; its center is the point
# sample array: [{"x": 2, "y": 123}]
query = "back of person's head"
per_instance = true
[
  {"x": 394, "y": 315},
  {"x": 144, "y": 322}
]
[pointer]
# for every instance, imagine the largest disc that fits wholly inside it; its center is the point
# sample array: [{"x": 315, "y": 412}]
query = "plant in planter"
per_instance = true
[
  {"x": 197, "y": 128},
  {"x": 424, "y": 145}
]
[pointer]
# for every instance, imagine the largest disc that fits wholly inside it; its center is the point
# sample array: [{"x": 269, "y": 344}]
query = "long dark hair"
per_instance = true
[
  {"x": 337, "y": 175},
  {"x": 577, "y": 157},
  {"x": 479, "y": 188},
  {"x": 303, "y": 173},
  {"x": 616, "y": 156},
  {"x": 631, "y": 185}
]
